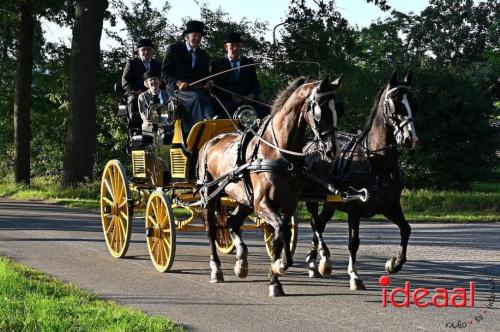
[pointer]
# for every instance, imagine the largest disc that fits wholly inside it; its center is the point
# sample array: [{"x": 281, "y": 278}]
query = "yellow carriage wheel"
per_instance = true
[
  {"x": 160, "y": 231},
  {"x": 269, "y": 234},
  {"x": 116, "y": 212},
  {"x": 223, "y": 239}
]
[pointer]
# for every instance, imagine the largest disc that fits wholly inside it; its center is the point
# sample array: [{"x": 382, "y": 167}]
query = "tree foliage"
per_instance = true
[{"x": 452, "y": 46}]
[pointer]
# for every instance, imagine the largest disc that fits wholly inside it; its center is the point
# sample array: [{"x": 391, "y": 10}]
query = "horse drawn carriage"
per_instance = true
[{"x": 213, "y": 169}]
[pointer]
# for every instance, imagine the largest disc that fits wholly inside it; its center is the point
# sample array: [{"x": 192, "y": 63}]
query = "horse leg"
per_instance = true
[
  {"x": 355, "y": 282},
  {"x": 325, "y": 264},
  {"x": 234, "y": 222},
  {"x": 208, "y": 214},
  {"x": 312, "y": 207},
  {"x": 282, "y": 235},
  {"x": 396, "y": 215}
]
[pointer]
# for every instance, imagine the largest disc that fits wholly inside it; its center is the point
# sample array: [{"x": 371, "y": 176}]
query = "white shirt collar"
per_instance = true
[
  {"x": 237, "y": 60},
  {"x": 189, "y": 48}
]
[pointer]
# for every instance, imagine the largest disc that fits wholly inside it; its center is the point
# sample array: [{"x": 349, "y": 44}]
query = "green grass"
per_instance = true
[
  {"x": 32, "y": 301},
  {"x": 480, "y": 203}
]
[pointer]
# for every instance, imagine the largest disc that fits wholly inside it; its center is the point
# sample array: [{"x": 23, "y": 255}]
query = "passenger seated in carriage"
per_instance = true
[
  {"x": 154, "y": 95},
  {"x": 184, "y": 63},
  {"x": 242, "y": 81},
  {"x": 133, "y": 83}
]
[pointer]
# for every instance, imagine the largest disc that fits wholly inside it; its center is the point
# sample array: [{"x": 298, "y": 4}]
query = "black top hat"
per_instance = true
[
  {"x": 232, "y": 37},
  {"x": 194, "y": 26},
  {"x": 145, "y": 43},
  {"x": 151, "y": 74}
]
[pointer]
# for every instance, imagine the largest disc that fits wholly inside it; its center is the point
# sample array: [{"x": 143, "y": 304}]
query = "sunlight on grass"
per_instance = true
[{"x": 32, "y": 301}]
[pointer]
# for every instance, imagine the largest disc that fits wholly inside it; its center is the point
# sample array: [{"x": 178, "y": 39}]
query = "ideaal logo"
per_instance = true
[{"x": 423, "y": 297}]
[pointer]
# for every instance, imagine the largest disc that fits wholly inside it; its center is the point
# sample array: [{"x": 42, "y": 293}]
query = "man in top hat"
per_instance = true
[
  {"x": 133, "y": 82},
  {"x": 242, "y": 81},
  {"x": 184, "y": 63}
]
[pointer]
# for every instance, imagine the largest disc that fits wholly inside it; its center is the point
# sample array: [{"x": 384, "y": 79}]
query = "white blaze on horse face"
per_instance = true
[
  {"x": 412, "y": 130},
  {"x": 331, "y": 105}
]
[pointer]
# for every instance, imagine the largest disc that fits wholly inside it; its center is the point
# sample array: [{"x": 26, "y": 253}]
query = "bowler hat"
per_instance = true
[
  {"x": 145, "y": 43},
  {"x": 232, "y": 37},
  {"x": 194, "y": 26},
  {"x": 151, "y": 74}
]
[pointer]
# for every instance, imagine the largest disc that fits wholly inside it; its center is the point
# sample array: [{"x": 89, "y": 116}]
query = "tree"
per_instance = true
[
  {"x": 81, "y": 137},
  {"x": 22, "y": 99}
]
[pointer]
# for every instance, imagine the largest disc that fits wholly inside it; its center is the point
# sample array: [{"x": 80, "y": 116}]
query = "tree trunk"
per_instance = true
[
  {"x": 22, "y": 98},
  {"x": 81, "y": 136}
]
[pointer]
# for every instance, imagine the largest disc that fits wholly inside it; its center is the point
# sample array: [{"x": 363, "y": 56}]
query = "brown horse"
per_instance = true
[
  {"x": 369, "y": 161},
  {"x": 270, "y": 180}
]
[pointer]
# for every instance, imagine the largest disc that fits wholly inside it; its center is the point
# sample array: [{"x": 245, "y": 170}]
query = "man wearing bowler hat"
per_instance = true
[
  {"x": 242, "y": 81},
  {"x": 133, "y": 82},
  {"x": 184, "y": 63}
]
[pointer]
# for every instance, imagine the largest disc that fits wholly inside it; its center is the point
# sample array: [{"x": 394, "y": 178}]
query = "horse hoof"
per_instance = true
[
  {"x": 241, "y": 268},
  {"x": 276, "y": 290},
  {"x": 278, "y": 268},
  {"x": 313, "y": 273},
  {"x": 216, "y": 276},
  {"x": 390, "y": 265},
  {"x": 325, "y": 266},
  {"x": 357, "y": 284}
]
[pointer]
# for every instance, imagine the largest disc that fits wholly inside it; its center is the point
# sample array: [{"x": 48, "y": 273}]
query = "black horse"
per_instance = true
[{"x": 369, "y": 161}]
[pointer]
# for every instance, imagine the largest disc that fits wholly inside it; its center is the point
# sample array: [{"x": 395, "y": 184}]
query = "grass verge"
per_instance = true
[
  {"x": 481, "y": 203},
  {"x": 32, "y": 301}
]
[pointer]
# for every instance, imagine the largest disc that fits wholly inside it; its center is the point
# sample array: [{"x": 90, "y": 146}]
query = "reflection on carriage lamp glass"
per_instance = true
[{"x": 246, "y": 115}]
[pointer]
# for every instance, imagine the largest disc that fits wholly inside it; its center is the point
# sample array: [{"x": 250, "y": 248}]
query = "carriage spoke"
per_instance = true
[
  {"x": 111, "y": 225},
  {"x": 107, "y": 200},
  {"x": 166, "y": 241},
  {"x": 122, "y": 204},
  {"x": 152, "y": 220},
  {"x": 162, "y": 223},
  {"x": 124, "y": 215},
  {"x": 165, "y": 252},
  {"x": 154, "y": 207}
]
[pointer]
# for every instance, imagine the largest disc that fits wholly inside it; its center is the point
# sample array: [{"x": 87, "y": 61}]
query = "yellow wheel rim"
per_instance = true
[
  {"x": 269, "y": 234},
  {"x": 116, "y": 213},
  {"x": 223, "y": 239},
  {"x": 160, "y": 231}
]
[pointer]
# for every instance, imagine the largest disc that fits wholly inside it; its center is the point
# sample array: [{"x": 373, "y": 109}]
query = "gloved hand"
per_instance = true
[{"x": 183, "y": 86}]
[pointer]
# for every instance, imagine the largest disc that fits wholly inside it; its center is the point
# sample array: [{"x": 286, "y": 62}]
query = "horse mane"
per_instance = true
[
  {"x": 373, "y": 112},
  {"x": 285, "y": 94}
]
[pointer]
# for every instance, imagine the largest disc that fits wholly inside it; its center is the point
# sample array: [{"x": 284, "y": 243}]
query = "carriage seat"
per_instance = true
[{"x": 205, "y": 130}]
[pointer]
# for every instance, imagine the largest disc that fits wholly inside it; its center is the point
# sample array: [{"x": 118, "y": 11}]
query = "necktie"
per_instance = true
[
  {"x": 234, "y": 64},
  {"x": 193, "y": 57},
  {"x": 156, "y": 99},
  {"x": 146, "y": 65}
]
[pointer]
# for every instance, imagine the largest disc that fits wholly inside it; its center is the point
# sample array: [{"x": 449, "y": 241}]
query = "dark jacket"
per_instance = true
[
  {"x": 247, "y": 82},
  {"x": 132, "y": 78},
  {"x": 176, "y": 65}
]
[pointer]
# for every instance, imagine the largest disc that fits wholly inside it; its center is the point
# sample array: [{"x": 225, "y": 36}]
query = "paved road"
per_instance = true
[{"x": 68, "y": 244}]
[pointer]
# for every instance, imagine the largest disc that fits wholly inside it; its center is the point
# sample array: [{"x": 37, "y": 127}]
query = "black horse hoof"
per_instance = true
[
  {"x": 276, "y": 290},
  {"x": 241, "y": 268},
  {"x": 357, "y": 284},
  {"x": 216, "y": 276},
  {"x": 314, "y": 273},
  {"x": 390, "y": 266}
]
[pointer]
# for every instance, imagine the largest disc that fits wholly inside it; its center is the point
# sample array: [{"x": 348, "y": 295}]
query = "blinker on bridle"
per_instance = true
[{"x": 315, "y": 107}]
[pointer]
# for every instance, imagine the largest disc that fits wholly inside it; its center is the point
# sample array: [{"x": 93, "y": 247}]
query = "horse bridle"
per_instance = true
[
  {"x": 316, "y": 108},
  {"x": 390, "y": 112}
]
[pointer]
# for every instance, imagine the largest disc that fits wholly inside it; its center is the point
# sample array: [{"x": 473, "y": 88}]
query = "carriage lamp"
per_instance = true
[
  {"x": 246, "y": 115},
  {"x": 163, "y": 115}
]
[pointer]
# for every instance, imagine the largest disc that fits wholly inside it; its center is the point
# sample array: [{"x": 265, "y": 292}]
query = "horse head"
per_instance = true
[
  {"x": 399, "y": 108},
  {"x": 323, "y": 108}
]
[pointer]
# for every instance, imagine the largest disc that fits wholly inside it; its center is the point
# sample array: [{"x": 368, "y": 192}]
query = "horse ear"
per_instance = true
[
  {"x": 324, "y": 83},
  {"x": 394, "y": 78},
  {"x": 337, "y": 82},
  {"x": 407, "y": 78}
]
